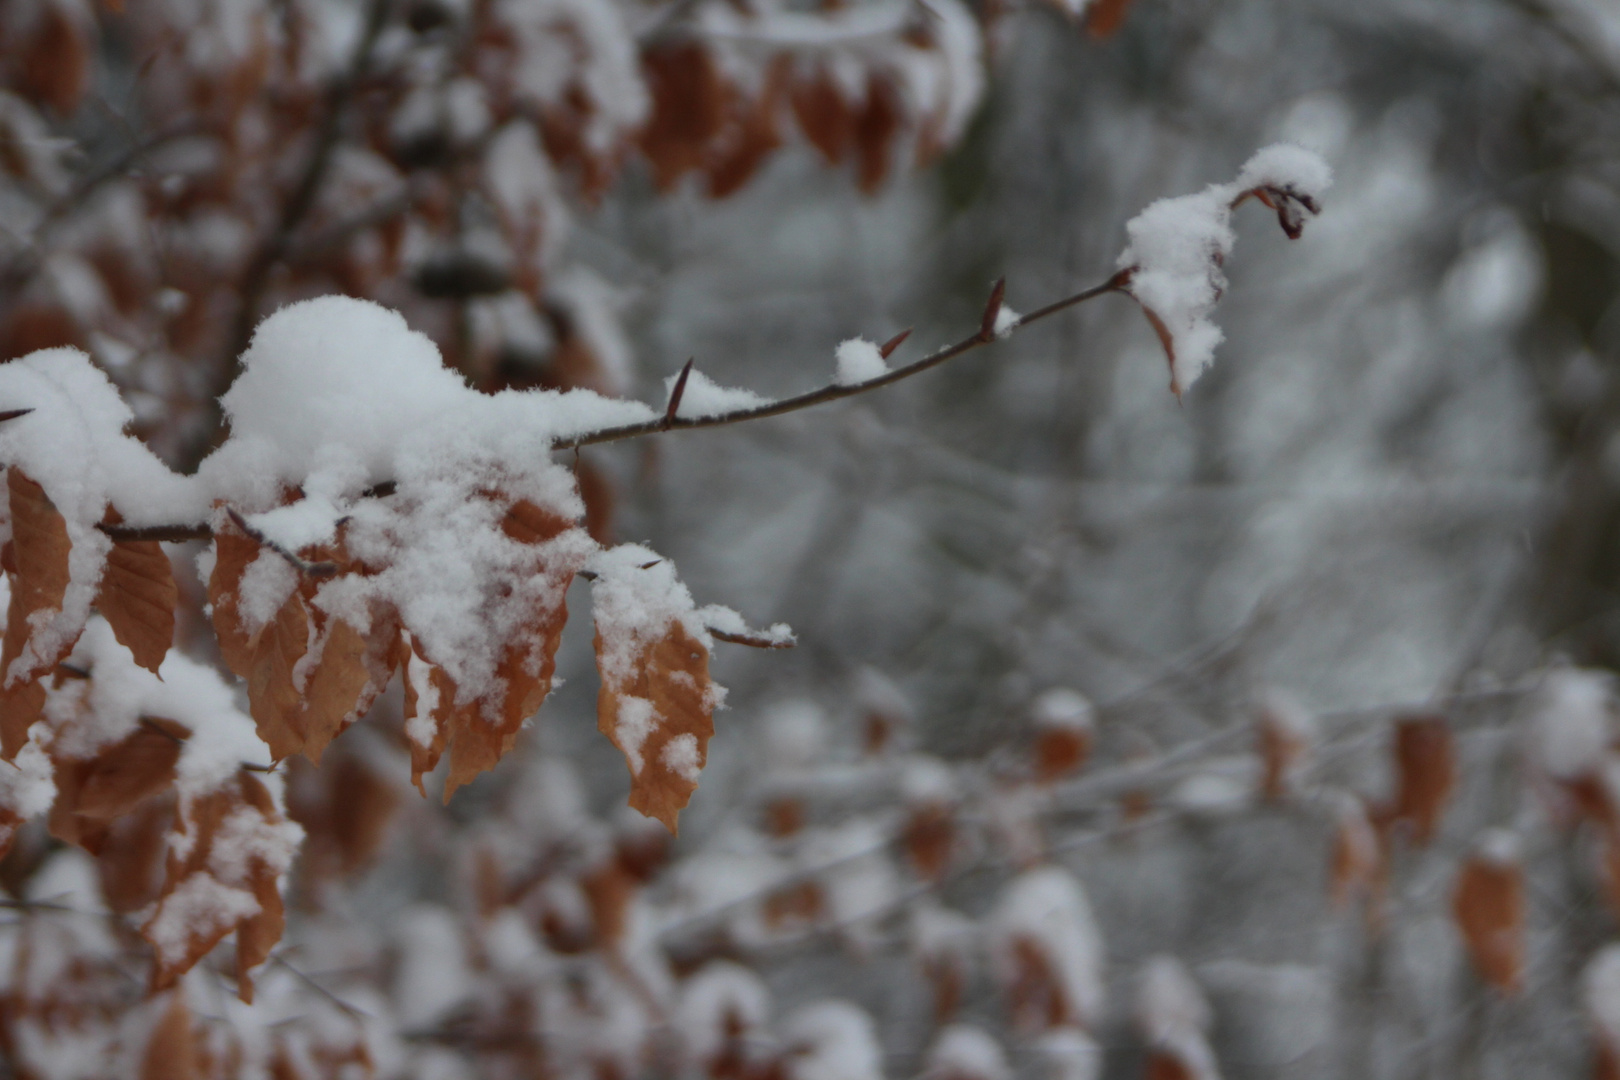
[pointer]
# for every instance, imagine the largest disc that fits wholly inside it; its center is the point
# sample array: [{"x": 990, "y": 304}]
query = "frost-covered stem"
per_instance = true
[{"x": 836, "y": 391}]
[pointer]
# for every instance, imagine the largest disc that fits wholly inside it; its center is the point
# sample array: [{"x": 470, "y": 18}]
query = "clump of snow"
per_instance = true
[
  {"x": 198, "y": 906},
  {"x": 966, "y": 1052},
  {"x": 726, "y": 621},
  {"x": 832, "y": 1040},
  {"x": 859, "y": 361},
  {"x": 928, "y": 780},
  {"x": 1046, "y": 909},
  {"x": 1063, "y": 709},
  {"x": 794, "y": 735},
  {"x": 86, "y": 714},
  {"x": 705, "y": 397},
  {"x": 721, "y": 998},
  {"x": 682, "y": 757},
  {"x": 1572, "y": 722},
  {"x": 433, "y": 974},
  {"x": 1176, "y": 248},
  {"x": 1007, "y": 320}
]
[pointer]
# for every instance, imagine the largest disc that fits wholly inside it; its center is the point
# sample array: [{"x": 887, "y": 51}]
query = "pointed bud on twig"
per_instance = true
[
  {"x": 887, "y": 348},
  {"x": 987, "y": 325},
  {"x": 12, "y": 414},
  {"x": 676, "y": 394}
]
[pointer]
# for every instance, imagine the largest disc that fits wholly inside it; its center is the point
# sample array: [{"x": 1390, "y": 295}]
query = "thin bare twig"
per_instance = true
[
  {"x": 836, "y": 391},
  {"x": 303, "y": 566}
]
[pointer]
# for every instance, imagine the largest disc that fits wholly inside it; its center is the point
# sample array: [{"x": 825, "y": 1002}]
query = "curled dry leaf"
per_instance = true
[
  {"x": 137, "y": 598},
  {"x": 1489, "y": 906},
  {"x": 661, "y": 718},
  {"x": 38, "y": 562},
  {"x": 226, "y": 855}
]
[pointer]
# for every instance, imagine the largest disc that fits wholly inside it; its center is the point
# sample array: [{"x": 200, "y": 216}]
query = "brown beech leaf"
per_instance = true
[
  {"x": 826, "y": 119},
  {"x": 875, "y": 127},
  {"x": 130, "y": 864},
  {"x": 1489, "y": 906},
  {"x": 690, "y": 103},
  {"x": 928, "y": 837},
  {"x": 39, "y": 559},
  {"x": 661, "y": 719},
  {"x": 273, "y": 698},
  {"x": 1426, "y": 772},
  {"x": 232, "y": 554},
  {"x": 171, "y": 1049},
  {"x": 1104, "y": 17},
  {"x": 56, "y": 62},
  {"x": 481, "y": 732},
  {"x": 1059, "y": 752},
  {"x": 137, "y": 597},
  {"x": 91, "y": 792},
  {"x": 222, "y": 877},
  {"x": 298, "y": 707}
]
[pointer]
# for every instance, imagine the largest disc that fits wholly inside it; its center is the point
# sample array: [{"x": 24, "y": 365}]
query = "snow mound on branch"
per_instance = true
[
  {"x": 1177, "y": 247},
  {"x": 859, "y": 361},
  {"x": 704, "y": 397},
  {"x": 1571, "y": 722},
  {"x": 339, "y": 394}
]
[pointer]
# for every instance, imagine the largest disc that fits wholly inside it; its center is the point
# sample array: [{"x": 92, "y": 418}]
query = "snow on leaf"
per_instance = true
[
  {"x": 1047, "y": 951},
  {"x": 1177, "y": 247},
  {"x": 137, "y": 598},
  {"x": 480, "y": 729},
  {"x": 39, "y": 553},
  {"x": 657, "y": 702},
  {"x": 226, "y": 855}
]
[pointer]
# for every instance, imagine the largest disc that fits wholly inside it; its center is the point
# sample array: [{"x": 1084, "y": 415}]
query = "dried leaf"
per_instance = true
[
  {"x": 690, "y": 102},
  {"x": 56, "y": 62},
  {"x": 91, "y": 792},
  {"x": 876, "y": 125},
  {"x": 928, "y": 837},
  {"x": 233, "y": 552},
  {"x": 138, "y": 597},
  {"x": 171, "y": 1050},
  {"x": 1426, "y": 773},
  {"x": 1489, "y": 906},
  {"x": 39, "y": 557},
  {"x": 481, "y": 732},
  {"x": 131, "y": 861},
  {"x": 661, "y": 719},
  {"x": 1104, "y": 17},
  {"x": 229, "y": 849},
  {"x": 1059, "y": 752},
  {"x": 826, "y": 119}
]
